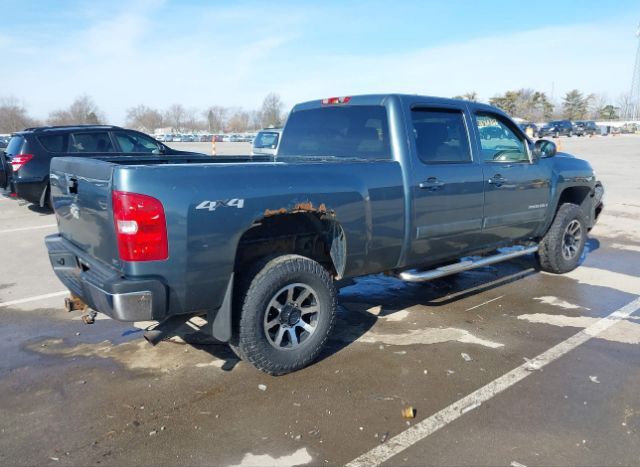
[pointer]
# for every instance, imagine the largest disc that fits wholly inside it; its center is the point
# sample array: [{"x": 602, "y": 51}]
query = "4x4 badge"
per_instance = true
[{"x": 224, "y": 203}]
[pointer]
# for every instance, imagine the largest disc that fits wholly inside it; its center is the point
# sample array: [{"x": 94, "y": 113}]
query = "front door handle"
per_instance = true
[
  {"x": 431, "y": 184},
  {"x": 497, "y": 180}
]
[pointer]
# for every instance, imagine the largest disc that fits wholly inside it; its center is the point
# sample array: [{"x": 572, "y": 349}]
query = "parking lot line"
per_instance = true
[
  {"x": 20, "y": 229},
  {"x": 484, "y": 303},
  {"x": 428, "y": 426},
  {"x": 33, "y": 299}
]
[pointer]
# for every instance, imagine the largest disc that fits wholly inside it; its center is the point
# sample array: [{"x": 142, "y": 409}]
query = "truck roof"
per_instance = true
[{"x": 380, "y": 99}]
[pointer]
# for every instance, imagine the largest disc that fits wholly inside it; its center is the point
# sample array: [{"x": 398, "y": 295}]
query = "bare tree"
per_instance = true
[
  {"x": 272, "y": 110},
  {"x": 191, "y": 120},
  {"x": 468, "y": 96},
  {"x": 144, "y": 118},
  {"x": 13, "y": 116},
  {"x": 216, "y": 118},
  {"x": 598, "y": 103},
  {"x": 625, "y": 104},
  {"x": 82, "y": 111},
  {"x": 239, "y": 121},
  {"x": 255, "y": 120},
  {"x": 175, "y": 117}
]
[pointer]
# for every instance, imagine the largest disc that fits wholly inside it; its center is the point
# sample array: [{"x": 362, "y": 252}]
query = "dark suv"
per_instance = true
[
  {"x": 557, "y": 128},
  {"x": 586, "y": 127},
  {"x": 25, "y": 165}
]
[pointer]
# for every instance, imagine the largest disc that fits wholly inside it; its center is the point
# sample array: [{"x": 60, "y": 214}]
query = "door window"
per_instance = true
[
  {"x": 98, "y": 141},
  {"x": 499, "y": 142},
  {"x": 440, "y": 135},
  {"x": 134, "y": 142}
]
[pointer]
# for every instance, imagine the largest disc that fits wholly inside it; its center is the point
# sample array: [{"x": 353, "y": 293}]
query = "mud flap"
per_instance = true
[{"x": 221, "y": 319}]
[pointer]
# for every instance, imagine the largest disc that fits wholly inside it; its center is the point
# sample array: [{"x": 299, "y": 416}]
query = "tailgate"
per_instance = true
[{"x": 81, "y": 197}]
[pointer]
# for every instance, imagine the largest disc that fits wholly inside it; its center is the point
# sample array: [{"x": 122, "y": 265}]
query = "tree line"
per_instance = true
[
  {"x": 176, "y": 118},
  {"x": 535, "y": 106},
  {"x": 527, "y": 104}
]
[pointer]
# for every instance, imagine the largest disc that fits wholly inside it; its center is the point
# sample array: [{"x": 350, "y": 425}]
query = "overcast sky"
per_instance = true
[{"x": 201, "y": 53}]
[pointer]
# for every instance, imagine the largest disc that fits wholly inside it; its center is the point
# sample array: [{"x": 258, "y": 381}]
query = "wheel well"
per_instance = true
[
  {"x": 574, "y": 195},
  {"x": 315, "y": 235}
]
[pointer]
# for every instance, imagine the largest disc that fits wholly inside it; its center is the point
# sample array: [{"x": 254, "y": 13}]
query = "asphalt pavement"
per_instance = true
[{"x": 503, "y": 365}]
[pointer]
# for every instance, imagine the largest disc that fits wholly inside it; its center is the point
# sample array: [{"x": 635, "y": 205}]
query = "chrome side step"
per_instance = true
[{"x": 420, "y": 276}]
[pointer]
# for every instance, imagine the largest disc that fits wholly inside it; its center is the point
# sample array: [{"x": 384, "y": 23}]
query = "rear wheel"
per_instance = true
[
  {"x": 562, "y": 246},
  {"x": 287, "y": 312}
]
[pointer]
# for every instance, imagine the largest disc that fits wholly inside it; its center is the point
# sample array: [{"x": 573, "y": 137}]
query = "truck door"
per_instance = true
[
  {"x": 517, "y": 189},
  {"x": 447, "y": 185}
]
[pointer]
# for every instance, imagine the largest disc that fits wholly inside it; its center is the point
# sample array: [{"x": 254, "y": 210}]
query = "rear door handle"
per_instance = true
[
  {"x": 497, "y": 180},
  {"x": 431, "y": 184}
]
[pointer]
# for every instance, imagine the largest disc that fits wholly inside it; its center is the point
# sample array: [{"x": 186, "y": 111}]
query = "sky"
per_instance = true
[{"x": 232, "y": 53}]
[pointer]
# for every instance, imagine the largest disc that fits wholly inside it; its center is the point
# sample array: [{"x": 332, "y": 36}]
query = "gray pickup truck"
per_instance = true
[{"x": 402, "y": 184}]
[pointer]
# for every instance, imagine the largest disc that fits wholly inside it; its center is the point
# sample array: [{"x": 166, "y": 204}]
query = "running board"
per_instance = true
[{"x": 420, "y": 276}]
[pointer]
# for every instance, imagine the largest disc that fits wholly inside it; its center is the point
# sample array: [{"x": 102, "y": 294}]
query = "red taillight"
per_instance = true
[
  {"x": 141, "y": 227},
  {"x": 336, "y": 100},
  {"x": 19, "y": 160}
]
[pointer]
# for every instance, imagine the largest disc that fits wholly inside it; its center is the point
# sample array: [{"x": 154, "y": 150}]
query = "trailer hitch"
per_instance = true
[{"x": 75, "y": 303}]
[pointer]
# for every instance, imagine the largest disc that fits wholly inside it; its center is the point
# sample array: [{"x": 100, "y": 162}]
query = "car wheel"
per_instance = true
[
  {"x": 556, "y": 135},
  {"x": 562, "y": 246},
  {"x": 287, "y": 310},
  {"x": 570, "y": 134}
]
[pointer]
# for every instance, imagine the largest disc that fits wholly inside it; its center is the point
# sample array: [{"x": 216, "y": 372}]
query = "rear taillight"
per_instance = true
[
  {"x": 141, "y": 227},
  {"x": 20, "y": 160}
]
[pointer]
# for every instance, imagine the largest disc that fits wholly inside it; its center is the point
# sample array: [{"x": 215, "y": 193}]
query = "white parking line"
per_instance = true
[
  {"x": 20, "y": 229},
  {"x": 484, "y": 303},
  {"x": 33, "y": 299},
  {"x": 423, "y": 429}
]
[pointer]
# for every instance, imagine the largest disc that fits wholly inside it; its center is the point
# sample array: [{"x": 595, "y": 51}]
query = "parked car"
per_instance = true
[
  {"x": 586, "y": 127},
  {"x": 29, "y": 153},
  {"x": 365, "y": 184},
  {"x": 557, "y": 128},
  {"x": 160, "y": 138},
  {"x": 530, "y": 129},
  {"x": 266, "y": 141},
  {"x": 491, "y": 132}
]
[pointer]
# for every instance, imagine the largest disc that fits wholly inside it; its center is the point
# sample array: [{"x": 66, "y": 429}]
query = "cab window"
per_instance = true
[
  {"x": 499, "y": 142},
  {"x": 134, "y": 142},
  {"x": 98, "y": 141},
  {"x": 441, "y": 136}
]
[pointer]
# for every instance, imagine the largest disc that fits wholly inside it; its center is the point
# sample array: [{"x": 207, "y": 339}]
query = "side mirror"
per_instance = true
[{"x": 544, "y": 148}]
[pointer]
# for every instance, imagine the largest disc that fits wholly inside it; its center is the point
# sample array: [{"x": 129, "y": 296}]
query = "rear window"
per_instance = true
[
  {"x": 53, "y": 143},
  {"x": 15, "y": 145},
  {"x": 266, "y": 140},
  {"x": 90, "y": 142},
  {"x": 342, "y": 131}
]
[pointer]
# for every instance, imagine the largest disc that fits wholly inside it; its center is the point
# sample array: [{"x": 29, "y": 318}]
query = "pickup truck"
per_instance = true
[{"x": 400, "y": 184}]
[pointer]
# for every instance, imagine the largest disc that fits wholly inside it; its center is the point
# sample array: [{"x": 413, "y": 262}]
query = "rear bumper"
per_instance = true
[
  {"x": 103, "y": 288},
  {"x": 29, "y": 190}
]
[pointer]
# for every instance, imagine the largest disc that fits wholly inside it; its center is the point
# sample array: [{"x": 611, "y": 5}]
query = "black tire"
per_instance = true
[
  {"x": 554, "y": 253},
  {"x": 271, "y": 281}
]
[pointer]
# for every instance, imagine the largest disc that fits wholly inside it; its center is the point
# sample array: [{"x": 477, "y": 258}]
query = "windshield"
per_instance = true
[
  {"x": 266, "y": 140},
  {"x": 338, "y": 131}
]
